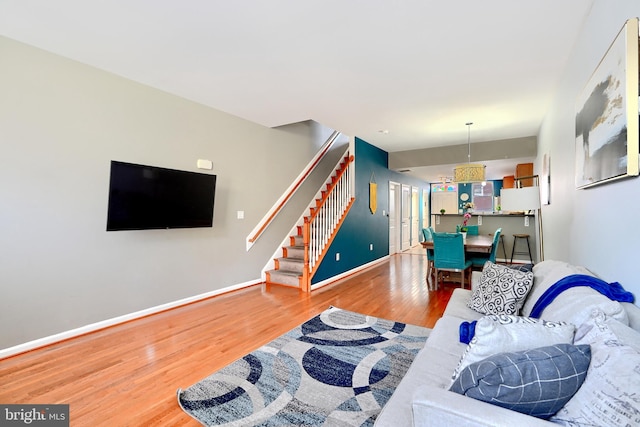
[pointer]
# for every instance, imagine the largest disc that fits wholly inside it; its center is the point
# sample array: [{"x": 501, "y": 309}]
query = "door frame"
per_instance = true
[{"x": 394, "y": 217}]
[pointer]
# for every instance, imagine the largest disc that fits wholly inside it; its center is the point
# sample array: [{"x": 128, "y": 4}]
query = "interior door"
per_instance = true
[
  {"x": 425, "y": 208},
  {"x": 394, "y": 218},
  {"x": 405, "y": 212},
  {"x": 415, "y": 216}
]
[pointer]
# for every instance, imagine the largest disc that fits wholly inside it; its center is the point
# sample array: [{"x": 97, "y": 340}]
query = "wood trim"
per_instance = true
[{"x": 330, "y": 187}]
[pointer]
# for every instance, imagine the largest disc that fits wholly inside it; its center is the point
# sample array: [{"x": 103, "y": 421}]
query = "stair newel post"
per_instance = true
[{"x": 306, "y": 277}]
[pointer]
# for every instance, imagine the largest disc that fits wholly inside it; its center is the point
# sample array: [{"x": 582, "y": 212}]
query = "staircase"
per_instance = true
[
  {"x": 290, "y": 267},
  {"x": 306, "y": 249}
]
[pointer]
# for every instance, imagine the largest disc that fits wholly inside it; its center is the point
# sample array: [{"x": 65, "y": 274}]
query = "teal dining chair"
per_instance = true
[
  {"x": 478, "y": 261},
  {"x": 472, "y": 230},
  {"x": 427, "y": 233},
  {"x": 448, "y": 255}
]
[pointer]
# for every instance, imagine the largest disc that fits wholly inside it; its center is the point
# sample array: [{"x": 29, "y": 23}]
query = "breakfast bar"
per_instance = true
[{"x": 511, "y": 224}]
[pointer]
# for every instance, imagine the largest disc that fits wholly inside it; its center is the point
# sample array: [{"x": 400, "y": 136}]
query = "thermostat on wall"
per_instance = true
[{"x": 205, "y": 164}]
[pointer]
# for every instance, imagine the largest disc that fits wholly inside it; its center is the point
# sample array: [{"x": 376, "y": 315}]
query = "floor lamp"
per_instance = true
[{"x": 524, "y": 199}]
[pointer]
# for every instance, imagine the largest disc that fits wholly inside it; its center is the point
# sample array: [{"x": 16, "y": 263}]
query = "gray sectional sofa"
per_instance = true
[{"x": 423, "y": 397}]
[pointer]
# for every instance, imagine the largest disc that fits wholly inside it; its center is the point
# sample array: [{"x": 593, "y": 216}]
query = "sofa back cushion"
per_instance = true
[
  {"x": 545, "y": 275},
  {"x": 574, "y": 305}
]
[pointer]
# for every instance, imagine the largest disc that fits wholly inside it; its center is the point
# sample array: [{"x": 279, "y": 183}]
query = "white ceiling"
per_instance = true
[{"x": 419, "y": 69}]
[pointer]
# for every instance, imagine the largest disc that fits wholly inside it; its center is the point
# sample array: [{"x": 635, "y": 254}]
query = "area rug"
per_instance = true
[{"x": 337, "y": 369}]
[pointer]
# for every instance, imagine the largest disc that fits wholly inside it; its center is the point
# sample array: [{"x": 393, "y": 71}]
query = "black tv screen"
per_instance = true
[{"x": 148, "y": 197}]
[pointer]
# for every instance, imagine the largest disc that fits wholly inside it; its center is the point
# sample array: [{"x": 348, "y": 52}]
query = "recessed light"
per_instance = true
[{"x": 384, "y": 131}]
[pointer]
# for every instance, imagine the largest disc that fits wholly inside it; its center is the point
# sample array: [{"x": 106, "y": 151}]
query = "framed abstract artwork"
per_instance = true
[
  {"x": 545, "y": 180},
  {"x": 607, "y": 116}
]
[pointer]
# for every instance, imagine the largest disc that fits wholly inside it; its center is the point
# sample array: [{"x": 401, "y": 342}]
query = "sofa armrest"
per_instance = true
[{"x": 434, "y": 406}]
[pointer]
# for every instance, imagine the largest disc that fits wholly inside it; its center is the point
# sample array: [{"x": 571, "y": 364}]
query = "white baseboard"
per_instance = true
[{"x": 52, "y": 339}]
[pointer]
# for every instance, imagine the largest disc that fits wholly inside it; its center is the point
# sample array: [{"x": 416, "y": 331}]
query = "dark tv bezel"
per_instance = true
[{"x": 115, "y": 225}]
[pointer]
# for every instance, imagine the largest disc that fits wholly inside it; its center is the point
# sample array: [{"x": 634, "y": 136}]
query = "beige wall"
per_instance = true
[
  {"x": 594, "y": 227},
  {"x": 61, "y": 123}
]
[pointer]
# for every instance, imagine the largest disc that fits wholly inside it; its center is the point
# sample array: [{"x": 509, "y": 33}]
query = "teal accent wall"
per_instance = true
[
  {"x": 362, "y": 228},
  {"x": 463, "y": 188}
]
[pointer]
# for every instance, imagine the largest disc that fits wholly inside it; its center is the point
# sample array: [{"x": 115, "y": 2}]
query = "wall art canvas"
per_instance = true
[
  {"x": 607, "y": 114},
  {"x": 545, "y": 180}
]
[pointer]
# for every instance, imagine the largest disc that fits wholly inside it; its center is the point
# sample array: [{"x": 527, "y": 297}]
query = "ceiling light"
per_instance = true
[{"x": 469, "y": 172}]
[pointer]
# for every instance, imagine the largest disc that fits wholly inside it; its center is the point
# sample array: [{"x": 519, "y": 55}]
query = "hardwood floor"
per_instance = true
[{"x": 127, "y": 375}]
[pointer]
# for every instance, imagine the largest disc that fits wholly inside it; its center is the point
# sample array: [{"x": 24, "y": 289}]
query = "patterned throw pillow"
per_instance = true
[
  {"x": 506, "y": 333},
  {"x": 609, "y": 395},
  {"x": 535, "y": 382},
  {"x": 501, "y": 290}
]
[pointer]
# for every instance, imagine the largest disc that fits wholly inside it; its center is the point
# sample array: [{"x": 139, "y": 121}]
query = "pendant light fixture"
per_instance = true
[{"x": 469, "y": 172}]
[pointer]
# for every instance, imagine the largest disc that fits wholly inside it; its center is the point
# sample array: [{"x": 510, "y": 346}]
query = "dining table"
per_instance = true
[{"x": 480, "y": 244}]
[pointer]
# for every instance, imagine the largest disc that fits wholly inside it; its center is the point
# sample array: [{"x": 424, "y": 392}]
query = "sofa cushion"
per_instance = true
[
  {"x": 443, "y": 337},
  {"x": 575, "y": 305},
  {"x": 535, "y": 382},
  {"x": 432, "y": 365},
  {"x": 633, "y": 314},
  {"x": 609, "y": 395},
  {"x": 501, "y": 290},
  {"x": 505, "y": 333},
  {"x": 457, "y": 305},
  {"x": 545, "y": 274}
]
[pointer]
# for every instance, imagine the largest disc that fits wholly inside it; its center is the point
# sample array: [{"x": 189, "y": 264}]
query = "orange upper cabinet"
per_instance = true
[
  {"x": 525, "y": 169},
  {"x": 508, "y": 181}
]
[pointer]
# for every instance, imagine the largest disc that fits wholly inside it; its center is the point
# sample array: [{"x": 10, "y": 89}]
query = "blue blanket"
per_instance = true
[{"x": 613, "y": 291}]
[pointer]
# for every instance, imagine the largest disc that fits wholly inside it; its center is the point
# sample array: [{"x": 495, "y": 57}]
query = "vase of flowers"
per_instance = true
[{"x": 464, "y": 228}]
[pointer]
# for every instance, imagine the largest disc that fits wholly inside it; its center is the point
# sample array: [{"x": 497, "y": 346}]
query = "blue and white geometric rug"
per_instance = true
[{"x": 338, "y": 368}]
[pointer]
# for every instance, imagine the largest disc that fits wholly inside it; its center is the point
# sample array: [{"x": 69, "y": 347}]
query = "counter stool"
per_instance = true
[{"x": 513, "y": 250}]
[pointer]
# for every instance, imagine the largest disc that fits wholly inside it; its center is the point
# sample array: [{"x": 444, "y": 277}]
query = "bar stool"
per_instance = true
[{"x": 513, "y": 249}]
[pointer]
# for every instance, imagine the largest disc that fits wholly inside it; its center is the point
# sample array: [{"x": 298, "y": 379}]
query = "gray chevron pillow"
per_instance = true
[{"x": 536, "y": 382}]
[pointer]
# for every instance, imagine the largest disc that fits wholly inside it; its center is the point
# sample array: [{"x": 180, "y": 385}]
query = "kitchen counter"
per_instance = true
[{"x": 488, "y": 223}]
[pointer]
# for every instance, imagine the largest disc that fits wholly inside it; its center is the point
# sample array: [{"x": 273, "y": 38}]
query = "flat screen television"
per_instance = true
[{"x": 148, "y": 197}]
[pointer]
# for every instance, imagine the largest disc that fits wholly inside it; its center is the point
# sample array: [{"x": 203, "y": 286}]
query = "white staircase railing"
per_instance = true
[{"x": 322, "y": 225}]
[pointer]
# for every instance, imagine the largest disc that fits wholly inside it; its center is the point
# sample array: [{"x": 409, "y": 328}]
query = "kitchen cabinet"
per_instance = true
[{"x": 525, "y": 169}]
